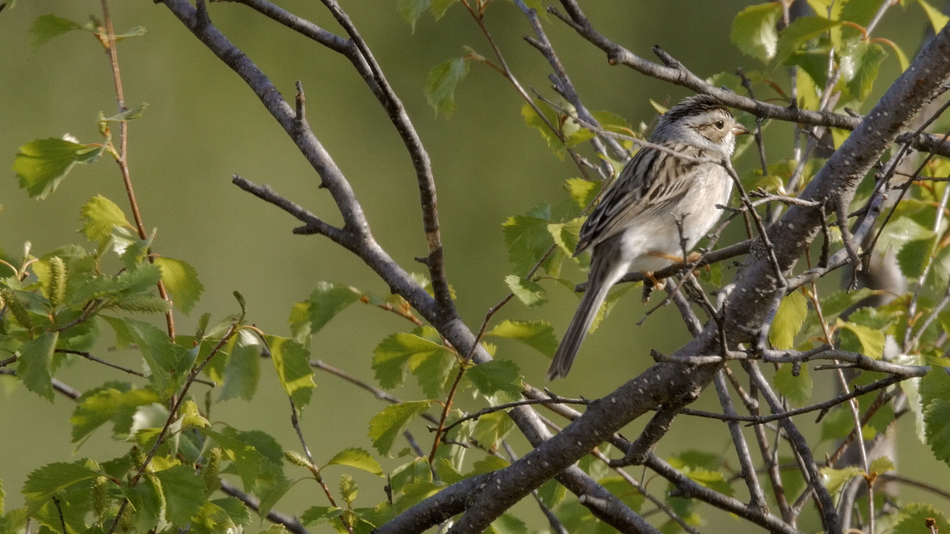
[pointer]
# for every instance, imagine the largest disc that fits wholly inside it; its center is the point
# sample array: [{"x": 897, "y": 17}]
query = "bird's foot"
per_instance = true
[{"x": 650, "y": 284}]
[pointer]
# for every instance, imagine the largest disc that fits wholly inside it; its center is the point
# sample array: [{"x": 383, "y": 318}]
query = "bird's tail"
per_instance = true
[{"x": 600, "y": 283}]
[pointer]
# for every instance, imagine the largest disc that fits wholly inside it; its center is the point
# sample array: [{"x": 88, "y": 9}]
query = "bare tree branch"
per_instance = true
[{"x": 749, "y": 305}]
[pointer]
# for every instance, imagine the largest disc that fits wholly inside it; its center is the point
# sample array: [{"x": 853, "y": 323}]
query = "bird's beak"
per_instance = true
[{"x": 739, "y": 129}]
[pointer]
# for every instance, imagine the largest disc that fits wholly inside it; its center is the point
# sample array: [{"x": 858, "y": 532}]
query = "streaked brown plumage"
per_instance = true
[{"x": 633, "y": 228}]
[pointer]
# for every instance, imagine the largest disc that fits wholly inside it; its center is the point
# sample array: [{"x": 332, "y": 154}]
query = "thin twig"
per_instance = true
[
  {"x": 508, "y": 405},
  {"x": 290, "y": 523},
  {"x": 123, "y": 159},
  {"x": 172, "y": 415},
  {"x": 786, "y": 414},
  {"x": 800, "y": 446},
  {"x": 313, "y": 467},
  {"x": 418, "y": 155},
  {"x": 741, "y": 447}
]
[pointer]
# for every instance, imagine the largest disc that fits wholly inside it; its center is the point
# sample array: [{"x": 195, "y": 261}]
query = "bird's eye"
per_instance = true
[{"x": 720, "y": 124}]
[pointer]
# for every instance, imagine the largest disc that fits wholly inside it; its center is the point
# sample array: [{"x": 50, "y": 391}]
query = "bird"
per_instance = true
[{"x": 634, "y": 227}]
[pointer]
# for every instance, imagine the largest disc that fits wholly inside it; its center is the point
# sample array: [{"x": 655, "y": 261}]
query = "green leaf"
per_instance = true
[
  {"x": 358, "y": 458},
  {"x": 388, "y": 424},
  {"x": 47, "y": 481},
  {"x": 937, "y": 428},
  {"x": 835, "y": 479},
  {"x": 613, "y": 297},
  {"x": 440, "y": 85},
  {"x": 402, "y": 352},
  {"x": 326, "y": 301},
  {"x": 499, "y": 380},
  {"x": 553, "y": 118},
  {"x": 243, "y": 369},
  {"x": 42, "y": 164},
  {"x": 936, "y": 17},
  {"x": 253, "y": 457},
  {"x": 135, "y": 280},
  {"x": 47, "y": 27},
  {"x": 433, "y": 371},
  {"x": 872, "y": 318},
  {"x": 788, "y": 321},
  {"x": 167, "y": 362},
  {"x": 100, "y": 215},
  {"x": 881, "y": 465},
  {"x": 190, "y": 416},
  {"x": 913, "y": 519},
  {"x": 184, "y": 493},
  {"x": 835, "y": 303},
  {"x": 797, "y": 389},
  {"x": 529, "y": 292},
  {"x": 859, "y": 64},
  {"x": 131, "y": 250},
  {"x": 411, "y": 10},
  {"x": 439, "y": 7},
  {"x": 915, "y": 255},
  {"x": 859, "y": 338},
  {"x": 899, "y": 52},
  {"x": 537, "y": 334},
  {"x": 911, "y": 388},
  {"x": 320, "y": 514},
  {"x": 837, "y": 424},
  {"x": 934, "y": 385},
  {"x": 415, "y": 473},
  {"x": 492, "y": 428},
  {"x": 220, "y": 515},
  {"x": 181, "y": 280},
  {"x": 129, "y": 114},
  {"x": 940, "y": 271},
  {"x": 236, "y": 510},
  {"x": 135, "y": 31},
  {"x": 630, "y": 495},
  {"x": 714, "y": 480},
  {"x": 489, "y": 464},
  {"x": 582, "y": 191},
  {"x": 147, "y": 501},
  {"x": 567, "y": 234},
  {"x": 292, "y": 363},
  {"x": 696, "y": 459},
  {"x": 799, "y": 32},
  {"x": 902, "y": 231},
  {"x": 34, "y": 361},
  {"x": 508, "y": 524},
  {"x": 105, "y": 404},
  {"x": 754, "y": 30},
  {"x": 527, "y": 238},
  {"x": 446, "y": 472},
  {"x": 348, "y": 489}
]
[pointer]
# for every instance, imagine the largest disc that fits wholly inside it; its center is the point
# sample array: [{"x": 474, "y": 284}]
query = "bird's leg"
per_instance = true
[
  {"x": 655, "y": 283},
  {"x": 692, "y": 257},
  {"x": 650, "y": 283}
]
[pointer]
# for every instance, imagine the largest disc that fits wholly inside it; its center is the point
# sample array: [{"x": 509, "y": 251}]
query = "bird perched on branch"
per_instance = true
[{"x": 664, "y": 198}]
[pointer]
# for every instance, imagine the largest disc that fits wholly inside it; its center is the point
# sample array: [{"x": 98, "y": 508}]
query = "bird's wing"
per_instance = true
[{"x": 638, "y": 192}]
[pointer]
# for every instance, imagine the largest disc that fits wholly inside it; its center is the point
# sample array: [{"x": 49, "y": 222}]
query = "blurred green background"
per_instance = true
[{"x": 203, "y": 125}]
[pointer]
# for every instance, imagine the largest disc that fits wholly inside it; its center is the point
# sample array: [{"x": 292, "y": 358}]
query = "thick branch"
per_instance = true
[
  {"x": 661, "y": 384},
  {"x": 690, "y": 488},
  {"x": 417, "y": 153},
  {"x": 837, "y": 180},
  {"x": 361, "y": 241},
  {"x": 355, "y": 235},
  {"x": 746, "y": 307}
]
